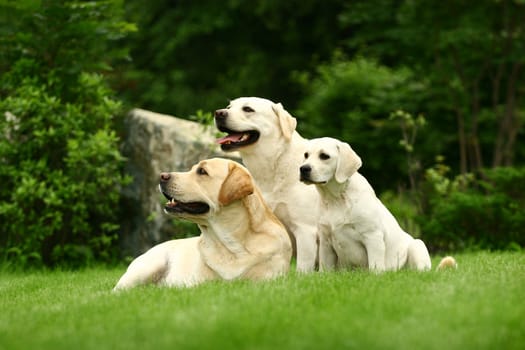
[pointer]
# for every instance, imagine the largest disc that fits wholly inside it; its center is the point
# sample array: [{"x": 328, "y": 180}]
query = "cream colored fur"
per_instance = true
[
  {"x": 355, "y": 228},
  {"x": 274, "y": 160},
  {"x": 240, "y": 236}
]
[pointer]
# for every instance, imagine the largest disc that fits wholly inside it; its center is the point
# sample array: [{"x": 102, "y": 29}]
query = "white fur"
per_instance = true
[
  {"x": 240, "y": 237},
  {"x": 274, "y": 162},
  {"x": 356, "y": 229}
]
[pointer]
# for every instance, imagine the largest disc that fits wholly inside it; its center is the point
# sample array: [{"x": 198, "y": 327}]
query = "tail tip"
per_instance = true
[{"x": 447, "y": 262}]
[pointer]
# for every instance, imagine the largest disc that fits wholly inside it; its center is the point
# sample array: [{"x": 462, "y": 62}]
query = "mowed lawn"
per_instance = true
[{"x": 481, "y": 305}]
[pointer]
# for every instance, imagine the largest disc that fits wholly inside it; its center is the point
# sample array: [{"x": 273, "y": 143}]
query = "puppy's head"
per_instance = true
[
  {"x": 253, "y": 120},
  {"x": 327, "y": 159},
  {"x": 201, "y": 192}
]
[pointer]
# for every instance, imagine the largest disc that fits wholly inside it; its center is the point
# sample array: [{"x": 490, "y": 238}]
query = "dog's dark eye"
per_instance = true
[
  {"x": 324, "y": 156},
  {"x": 248, "y": 109},
  {"x": 306, "y": 155},
  {"x": 201, "y": 171}
]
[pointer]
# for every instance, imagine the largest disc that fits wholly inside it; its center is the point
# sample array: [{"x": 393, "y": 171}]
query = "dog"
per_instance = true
[
  {"x": 240, "y": 236},
  {"x": 355, "y": 228},
  {"x": 264, "y": 134}
]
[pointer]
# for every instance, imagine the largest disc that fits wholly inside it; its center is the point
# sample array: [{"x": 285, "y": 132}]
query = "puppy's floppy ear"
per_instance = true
[
  {"x": 348, "y": 162},
  {"x": 286, "y": 121},
  {"x": 238, "y": 184}
]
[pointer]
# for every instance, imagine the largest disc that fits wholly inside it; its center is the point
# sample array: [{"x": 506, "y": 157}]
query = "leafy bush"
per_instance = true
[
  {"x": 486, "y": 210},
  {"x": 353, "y": 100},
  {"x": 60, "y": 166},
  {"x": 60, "y": 175}
]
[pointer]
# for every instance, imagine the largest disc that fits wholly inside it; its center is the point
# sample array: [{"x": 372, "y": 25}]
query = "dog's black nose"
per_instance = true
[
  {"x": 221, "y": 113},
  {"x": 305, "y": 170},
  {"x": 164, "y": 177}
]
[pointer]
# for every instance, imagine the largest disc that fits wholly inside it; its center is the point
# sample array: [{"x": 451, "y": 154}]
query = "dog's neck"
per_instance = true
[
  {"x": 271, "y": 167},
  {"x": 228, "y": 229},
  {"x": 333, "y": 191},
  {"x": 231, "y": 237}
]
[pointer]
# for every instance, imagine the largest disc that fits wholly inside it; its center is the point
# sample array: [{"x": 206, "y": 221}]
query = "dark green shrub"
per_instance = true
[
  {"x": 484, "y": 211},
  {"x": 60, "y": 175},
  {"x": 352, "y": 100},
  {"x": 60, "y": 166}
]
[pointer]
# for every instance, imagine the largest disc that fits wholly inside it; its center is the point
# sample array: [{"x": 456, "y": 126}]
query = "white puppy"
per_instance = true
[
  {"x": 356, "y": 229},
  {"x": 264, "y": 134},
  {"x": 241, "y": 237}
]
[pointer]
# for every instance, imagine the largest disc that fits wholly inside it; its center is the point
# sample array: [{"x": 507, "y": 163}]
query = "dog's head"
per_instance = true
[
  {"x": 251, "y": 120},
  {"x": 201, "y": 192},
  {"x": 326, "y": 159}
]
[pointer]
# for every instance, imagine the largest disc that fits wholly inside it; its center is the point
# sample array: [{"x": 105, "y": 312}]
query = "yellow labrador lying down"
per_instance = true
[
  {"x": 355, "y": 228},
  {"x": 240, "y": 236}
]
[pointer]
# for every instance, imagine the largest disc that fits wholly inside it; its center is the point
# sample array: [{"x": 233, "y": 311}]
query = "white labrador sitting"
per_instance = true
[
  {"x": 241, "y": 237},
  {"x": 356, "y": 229},
  {"x": 264, "y": 134}
]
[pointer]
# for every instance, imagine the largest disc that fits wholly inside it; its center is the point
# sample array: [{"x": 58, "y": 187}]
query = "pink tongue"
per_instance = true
[{"x": 231, "y": 137}]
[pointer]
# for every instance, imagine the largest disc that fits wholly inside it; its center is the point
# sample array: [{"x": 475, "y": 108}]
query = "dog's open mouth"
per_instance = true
[
  {"x": 177, "y": 207},
  {"x": 236, "y": 139}
]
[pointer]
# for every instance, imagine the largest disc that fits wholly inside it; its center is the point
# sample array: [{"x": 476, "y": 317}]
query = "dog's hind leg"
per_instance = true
[
  {"x": 418, "y": 257},
  {"x": 327, "y": 254},
  {"x": 146, "y": 268},
  {"x": 376, "y": 250}
]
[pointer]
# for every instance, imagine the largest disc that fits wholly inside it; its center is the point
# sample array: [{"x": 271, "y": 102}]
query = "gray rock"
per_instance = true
[{"x": 154, "y": 143}]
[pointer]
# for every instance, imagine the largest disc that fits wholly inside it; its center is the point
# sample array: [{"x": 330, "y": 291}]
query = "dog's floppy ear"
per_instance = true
[
  {"x": 286, "y": 121},
  {"x": 347, "y": 163},
  {"x": 238, "y": 184}
]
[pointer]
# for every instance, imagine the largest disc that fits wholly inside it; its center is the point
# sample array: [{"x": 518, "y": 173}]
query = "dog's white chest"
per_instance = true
[
  {"x": 337, "y": 220},
  {"x": 340, "y": 230}
]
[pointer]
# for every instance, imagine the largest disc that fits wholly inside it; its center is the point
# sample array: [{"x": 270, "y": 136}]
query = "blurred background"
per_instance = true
[{"x": 430, "y": 94}]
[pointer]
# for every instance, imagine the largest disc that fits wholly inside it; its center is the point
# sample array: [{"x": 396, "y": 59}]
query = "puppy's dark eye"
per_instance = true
[
  {"x": 248, "y": 109},
  {"x": 306, "y": 155},
  {"x": 201, "y": 171},
  {"x": 324, "y": 156}
]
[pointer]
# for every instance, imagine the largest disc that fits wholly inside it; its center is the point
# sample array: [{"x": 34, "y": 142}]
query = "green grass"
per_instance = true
[{"x": 479, "y": 306}]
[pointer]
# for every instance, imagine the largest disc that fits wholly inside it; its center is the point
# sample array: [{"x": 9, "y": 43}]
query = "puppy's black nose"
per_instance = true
[
  {"x": 305, "y": 171},
  {"x": 164, "y": 177},
  {"x": 221, "y": 113}
]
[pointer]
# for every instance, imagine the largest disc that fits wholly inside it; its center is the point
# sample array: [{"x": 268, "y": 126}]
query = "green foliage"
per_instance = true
[
  {"x": 486, "y": 210},
  {"x": 409, "y": 127},
  {"x": 205, "y": 118},
  {"x": 352, "y": 100},
  {"x": 193, "y": 55},
  {"x": 343, "y": 68},
  {"x": 458, "y": 65},
  {"x": 472, "y": 60},
  {"x": 60, "y": 174},
  {"x": 409, "y": 130},
  {"x": 59, "y": 40},
  {"x": 60, "y": 166}
]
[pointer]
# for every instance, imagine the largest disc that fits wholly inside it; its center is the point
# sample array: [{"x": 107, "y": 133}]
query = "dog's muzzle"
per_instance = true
[
  {"x": 174, "y": 206},
  {"x": 305, "y": 173},
  {"x": 234, "y": 138},
  {"x": 220, "y": 116}
]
